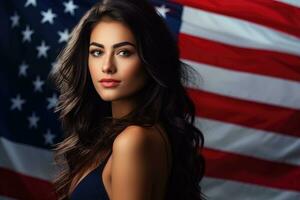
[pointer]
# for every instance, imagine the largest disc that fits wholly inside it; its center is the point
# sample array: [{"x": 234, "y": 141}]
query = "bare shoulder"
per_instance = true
[
  {"x": 134, "y": 137},
  {"x": 132, "y": 161},
  {"x": 135, "y": 142}
]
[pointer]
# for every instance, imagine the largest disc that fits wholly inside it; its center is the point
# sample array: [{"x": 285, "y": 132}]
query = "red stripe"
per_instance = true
[
  {"x": 242, "y": 59},
  {"x": 19, "y": 186},
  {"x": 273, "y": 14},
  {"x": 246, "y": 113},
  {"x": 247, "y": 169}
]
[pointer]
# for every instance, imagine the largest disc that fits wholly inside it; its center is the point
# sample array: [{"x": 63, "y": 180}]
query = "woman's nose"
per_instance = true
[{"x": 108, "y": 64}]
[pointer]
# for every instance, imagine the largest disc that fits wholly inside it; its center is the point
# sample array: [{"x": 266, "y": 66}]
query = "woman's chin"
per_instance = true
[{"x": 109, "y": 97}]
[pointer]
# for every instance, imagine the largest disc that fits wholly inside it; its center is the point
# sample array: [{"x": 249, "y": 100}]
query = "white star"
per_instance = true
[
  {"x": 42, "y": 50},
  {"x": 22, "y": 69},
  {"x": 38, "y": 83},
  {"x": 15, "y": 20},
  {"x": 30, "y": 2},
  {"x": 17, "y": 102},
  {"x": 52, "y": 101},
  {"x": 162, "y": 10},
  {"x": 54, "y": 66},
  {"x": 70, "y": 7},
  {"x": 49, "y": 137},
  {"x": 63, "y": 35},
  {"x": 27, "y": 34},
  {"x": 48, "y": 16},
  {"x": 33, "y": 120}
]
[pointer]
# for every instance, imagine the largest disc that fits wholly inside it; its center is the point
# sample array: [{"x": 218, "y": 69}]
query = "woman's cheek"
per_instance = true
[
  {"x": 94, "y": 70},
  {"x": 130, "y": 68}
]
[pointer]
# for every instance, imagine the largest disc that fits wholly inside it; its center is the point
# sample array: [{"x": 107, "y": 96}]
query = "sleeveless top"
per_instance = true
[{"x": 91, "y": 186}]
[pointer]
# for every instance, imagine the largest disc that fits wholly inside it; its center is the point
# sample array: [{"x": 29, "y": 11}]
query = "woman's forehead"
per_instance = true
[{"x": 111, "y": 31}]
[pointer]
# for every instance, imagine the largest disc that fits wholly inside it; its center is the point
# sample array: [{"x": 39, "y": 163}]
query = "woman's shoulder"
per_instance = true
[
  {"x": 148, "y": 144},
  {"x": 132, "y": 172},
  {"x": 135, "y": 136},
  {"x": 139, "y": 161}
]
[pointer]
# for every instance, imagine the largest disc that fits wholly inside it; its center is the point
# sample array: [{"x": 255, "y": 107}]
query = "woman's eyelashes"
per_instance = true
[
  {"x": 95, "y": 53},
  {"x": 123, "y": 53}
]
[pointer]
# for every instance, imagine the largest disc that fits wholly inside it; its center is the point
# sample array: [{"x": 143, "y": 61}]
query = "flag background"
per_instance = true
[{"x": 247, "y": 92}]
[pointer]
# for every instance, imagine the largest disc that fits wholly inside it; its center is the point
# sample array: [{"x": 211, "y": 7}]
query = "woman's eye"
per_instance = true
[
  {"x": 127, "y": 53},
  {"x": 95, "y": 53}
]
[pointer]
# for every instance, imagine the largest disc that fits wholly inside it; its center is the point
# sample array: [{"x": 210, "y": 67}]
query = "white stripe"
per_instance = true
[
  {"x": 218, "y": 189},
  {"x": 25, "y": 159},
  {"x": 291, "y": 2},
  {"x": 245, "y": 86},
  {"x": 250, "y": 142},
  {"x": 237, "y": 32}
]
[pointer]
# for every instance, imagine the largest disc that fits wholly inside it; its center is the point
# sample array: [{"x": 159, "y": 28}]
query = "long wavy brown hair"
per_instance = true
[{"x": 87, "y": 121}]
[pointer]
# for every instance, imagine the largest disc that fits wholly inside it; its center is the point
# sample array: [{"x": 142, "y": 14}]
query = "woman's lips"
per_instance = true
[{"x": 109, "y": 84}]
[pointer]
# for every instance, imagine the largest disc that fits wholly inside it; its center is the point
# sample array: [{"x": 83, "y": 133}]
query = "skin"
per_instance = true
[
  {"x": 121, "y": 63},
  {"x": 129, "y": 173}
]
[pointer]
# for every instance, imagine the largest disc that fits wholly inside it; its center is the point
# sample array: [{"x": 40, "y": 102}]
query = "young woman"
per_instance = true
[{"x": 127, "y": 119}]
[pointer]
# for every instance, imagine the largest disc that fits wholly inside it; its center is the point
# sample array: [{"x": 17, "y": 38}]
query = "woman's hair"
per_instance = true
[{"x": 87, "y": 120}]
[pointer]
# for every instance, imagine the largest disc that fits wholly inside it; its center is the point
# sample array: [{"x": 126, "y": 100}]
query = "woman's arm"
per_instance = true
[{"x": 132, "y": 165}]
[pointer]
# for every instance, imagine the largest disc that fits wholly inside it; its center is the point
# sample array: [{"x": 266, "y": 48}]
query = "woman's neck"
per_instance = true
[{"x": 122, "y": 107}]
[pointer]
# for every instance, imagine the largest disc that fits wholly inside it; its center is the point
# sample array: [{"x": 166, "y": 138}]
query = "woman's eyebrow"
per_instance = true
[{"x": 113, "y": 46}]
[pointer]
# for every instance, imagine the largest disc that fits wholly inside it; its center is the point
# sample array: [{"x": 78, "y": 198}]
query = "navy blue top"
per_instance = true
[{"x": 91, "y": 186}]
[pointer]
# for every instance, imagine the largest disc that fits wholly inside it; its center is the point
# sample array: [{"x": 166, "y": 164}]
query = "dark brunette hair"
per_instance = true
[{"x": 87, "y": 120}]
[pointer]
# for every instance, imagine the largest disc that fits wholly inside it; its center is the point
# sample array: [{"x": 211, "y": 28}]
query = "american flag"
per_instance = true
[{"x": 247, "y": 92}]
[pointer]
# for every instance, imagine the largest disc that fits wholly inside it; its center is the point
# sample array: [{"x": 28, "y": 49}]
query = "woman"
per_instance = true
[{"x": 130, "y": 138}]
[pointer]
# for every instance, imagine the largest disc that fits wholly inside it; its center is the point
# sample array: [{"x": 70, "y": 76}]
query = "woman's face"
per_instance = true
[{"x": 113, "y": 55}]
